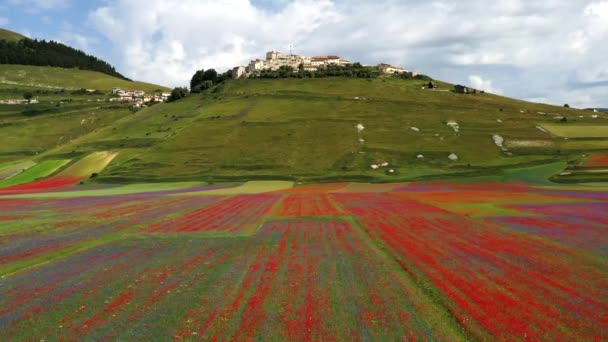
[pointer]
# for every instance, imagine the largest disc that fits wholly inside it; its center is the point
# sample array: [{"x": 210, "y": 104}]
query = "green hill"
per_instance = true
[
  {"x": 305, "y": 129},
  {"x": 10, "y": 35},
  {"x": 19, "y": 76},
  {"x": 20, "y": 50}
]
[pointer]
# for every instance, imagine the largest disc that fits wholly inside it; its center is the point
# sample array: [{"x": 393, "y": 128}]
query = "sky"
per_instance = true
[{"x": 551, "y": 51}]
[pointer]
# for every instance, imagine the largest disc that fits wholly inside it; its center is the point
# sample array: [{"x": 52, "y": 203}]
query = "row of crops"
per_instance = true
[{"x": 434, "y": 261}]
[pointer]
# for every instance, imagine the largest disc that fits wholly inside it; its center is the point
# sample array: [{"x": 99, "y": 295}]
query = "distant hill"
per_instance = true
[
  {"x": 17, "y": 49},
  {"x": 18, "y": 76},
  {"x": 10, "y": 35}
]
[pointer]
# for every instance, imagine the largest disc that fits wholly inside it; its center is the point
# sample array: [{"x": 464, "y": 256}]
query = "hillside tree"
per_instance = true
[
  {"x": 196, "y": 80},
  {"x": 178, "y": 93},
  {"x": 28, "y": 96}
]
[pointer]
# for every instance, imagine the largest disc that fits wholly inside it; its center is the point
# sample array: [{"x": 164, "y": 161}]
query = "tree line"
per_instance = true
[
  {"x": 53, "y": 54},
  {"x": 354, "y": 70},
  {"x": 200, "y": 81},
  {"x": 205, "y": 79}
]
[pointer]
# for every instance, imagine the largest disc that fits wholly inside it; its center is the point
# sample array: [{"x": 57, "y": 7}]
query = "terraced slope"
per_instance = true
[{"x": 305, "y": 129}]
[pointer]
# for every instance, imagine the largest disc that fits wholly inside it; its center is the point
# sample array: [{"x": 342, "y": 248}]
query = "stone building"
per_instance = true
[{"x": 239, "y": 71}]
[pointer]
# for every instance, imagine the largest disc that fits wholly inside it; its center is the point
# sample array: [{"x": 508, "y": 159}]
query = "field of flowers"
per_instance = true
[{"x": 333, "y": 262}]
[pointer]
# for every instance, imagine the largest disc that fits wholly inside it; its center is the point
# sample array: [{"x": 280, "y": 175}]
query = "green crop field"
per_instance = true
[
  {"x": 38, "y": 171},
  {"x": 578, "y": 131}
]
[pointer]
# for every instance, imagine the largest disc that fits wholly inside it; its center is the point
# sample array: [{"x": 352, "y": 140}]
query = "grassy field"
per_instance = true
[
  {"x": 305, "y": 130},
  {"x": 579, "y": 131},
  {"x": 10, "y": 35},
  {"x": 302, "y": 130},
  {"x": 60, "y": 78},
  {"x": 10, "y": 169},
  {"x": 38, "y": 171}
]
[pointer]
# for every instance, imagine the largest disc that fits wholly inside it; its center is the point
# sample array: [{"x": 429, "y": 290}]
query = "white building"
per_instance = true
[
  {"x": 390, "y": 69},
  {"x": 255, "y": 65},
  {"x": 327, "y": 60},
  {"x": 239, "y": 71}
]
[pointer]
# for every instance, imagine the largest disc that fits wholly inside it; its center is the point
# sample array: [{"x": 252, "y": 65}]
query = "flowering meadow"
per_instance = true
[{"x": 443, "y": 261}]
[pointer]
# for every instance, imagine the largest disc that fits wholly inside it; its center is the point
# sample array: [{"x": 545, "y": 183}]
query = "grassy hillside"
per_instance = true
[
  {"x": 16, "y": 76},
  {"x": 28, "y": 131},
  {"x": 305, "y": 129},
  {"x": 10, "y": 35}
]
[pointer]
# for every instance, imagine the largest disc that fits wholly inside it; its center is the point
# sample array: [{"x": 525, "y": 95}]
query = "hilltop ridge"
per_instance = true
[
  {"x": 17, "y": 49},
  {"x": 9, "y": 35}
]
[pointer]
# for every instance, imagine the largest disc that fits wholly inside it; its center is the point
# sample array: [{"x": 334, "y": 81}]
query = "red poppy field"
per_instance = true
[{"x": 333, "y": 262}]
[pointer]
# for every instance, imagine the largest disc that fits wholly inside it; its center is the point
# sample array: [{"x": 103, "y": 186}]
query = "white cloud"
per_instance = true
[
  {"x": 594, "y": 28},
  {"x": 531, "y": 48},
  {"x": 478, "y": 58},
  {"x": 486, "y": 85},
  {"x": 169, "y": 41}
]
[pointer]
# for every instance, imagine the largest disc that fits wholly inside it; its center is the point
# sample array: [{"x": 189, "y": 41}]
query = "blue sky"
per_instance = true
[{"x": 544, "y": 50}]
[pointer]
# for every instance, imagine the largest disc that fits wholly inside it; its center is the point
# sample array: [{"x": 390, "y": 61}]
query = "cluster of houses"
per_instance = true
[
  {"x": 275, "y": 60},
  {"x": 138, "y": 97}
]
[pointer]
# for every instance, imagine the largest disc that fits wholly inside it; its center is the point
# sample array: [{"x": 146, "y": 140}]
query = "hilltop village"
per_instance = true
[{"x": 276, "y": 60}]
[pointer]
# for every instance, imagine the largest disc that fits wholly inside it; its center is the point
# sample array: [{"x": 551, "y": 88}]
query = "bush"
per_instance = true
[
  {"x": 28, "y": 96},
  {"x": 178, "y": 93}
]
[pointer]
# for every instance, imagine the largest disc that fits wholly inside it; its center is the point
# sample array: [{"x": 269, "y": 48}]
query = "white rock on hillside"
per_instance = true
[
  {"x": 455, "y": 126},
  {"x": 453, "y": 157},
  {"x": 498, "y": 140}
]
